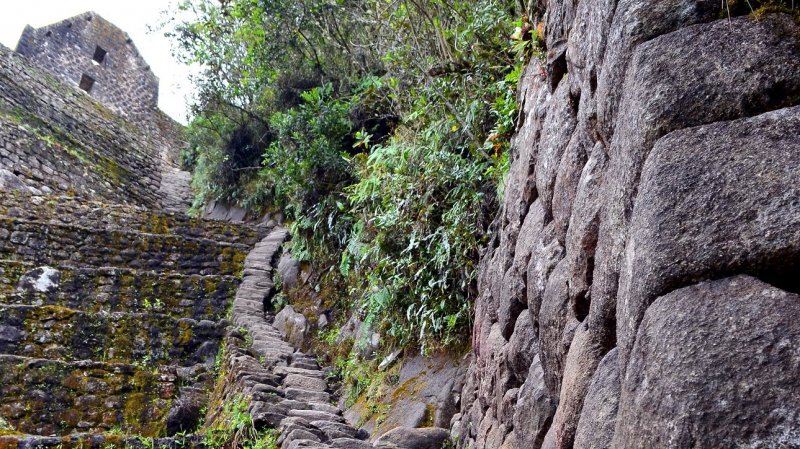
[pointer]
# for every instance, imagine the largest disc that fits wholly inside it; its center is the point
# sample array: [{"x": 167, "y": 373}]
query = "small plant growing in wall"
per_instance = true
[
  {"x": 5, "y": 426},
  {"x": 154, "y": 305},
  {"x": 147, "y": 442},
  {"x": 234, "y": 429}
]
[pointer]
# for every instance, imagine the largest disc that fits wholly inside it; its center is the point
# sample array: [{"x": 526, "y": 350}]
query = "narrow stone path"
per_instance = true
[
  {"x": 175, "y": 189},
  {"x": 288, "y": 388}
]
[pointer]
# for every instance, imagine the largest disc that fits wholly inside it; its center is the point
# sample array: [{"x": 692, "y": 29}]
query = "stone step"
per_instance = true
[
  {"x": 79, "y": 246},
  {"x": 299, "y": 394},
  {"x": 306, "y": 383},
  {"x": 300, "y": 407},
  {"x": 117, "y": 290},
  {"x": 175, "y": 189},
  {"x": 304, "y": 364},
  {"x": 286, "y": 370},
  {"x": 300, "y": 425},
  {"x": 324, "y": 407},
  {"x": 316, "y": 415},
  {"x": 95, "y": 215},
  {"x": 349, "y": 443},
  {"x": 335, "y": 430},
  {"x": 150, "y": 338},
  {"x": 47, "y": 397}
]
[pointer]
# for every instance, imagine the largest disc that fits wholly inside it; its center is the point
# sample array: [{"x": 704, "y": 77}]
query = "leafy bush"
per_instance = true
[
  {"x": 758, "y": 8},
  {"x": 382, "y": 132},
  {"x": 413, "y": 248}
]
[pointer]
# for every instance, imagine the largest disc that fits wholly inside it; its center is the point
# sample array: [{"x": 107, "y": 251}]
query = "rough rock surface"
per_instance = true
[
  {"x": 599, "y": 416},
  {"x": 658, "y": 149},
  {"x": 639, "y": 289},
  {"x": 732, "y": 350},
  {"x": 9, "y": 181},
  {"x": 426, "y": 393},
  {"x": 289, "y": 271},
  {"x": 747, "y": 189},
  {"x": 413, "y": 438},
  {"x": 123, "y": 322},
  {"x": 292, "y": 325},
  {"x": 97, "y": 341}
]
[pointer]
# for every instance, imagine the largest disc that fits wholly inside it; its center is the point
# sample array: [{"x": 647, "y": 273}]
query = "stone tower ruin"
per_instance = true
[{"x": 88, "y": 51}]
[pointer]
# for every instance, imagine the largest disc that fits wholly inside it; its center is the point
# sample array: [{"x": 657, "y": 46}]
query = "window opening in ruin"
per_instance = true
[
  {"x": 87, "y": 82},
  {"x": 99, "y": 55}
]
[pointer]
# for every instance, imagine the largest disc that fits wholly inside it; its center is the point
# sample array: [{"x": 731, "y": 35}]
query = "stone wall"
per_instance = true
[
  {"x": 169, "y": 136},
  {"x": 638, "y": 288},
  {"x": 61, "y": 210},
  {"x": 114, "y": 290},
  {"x": 112, "y": 311},
  {"x": 57, "y": 139},
  {"x": 147, "y": 336},
  {"x": 45, "y": 397},
  {"x": 111, "y": 317},
  {"x": 73, "y": 244},
  {"x": 88, "y": 46}
]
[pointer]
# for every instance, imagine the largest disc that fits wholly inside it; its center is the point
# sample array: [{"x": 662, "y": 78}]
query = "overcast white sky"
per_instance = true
[{"x": 133, "y": 16}]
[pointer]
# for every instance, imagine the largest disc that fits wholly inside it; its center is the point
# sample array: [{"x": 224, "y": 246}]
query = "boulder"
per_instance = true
[
  {"x": 599, "y": 415},
  {"x": 42, "y": 279},
  {"x": 714, "y": 365},
  {"x": 292, "y": 325},
  {"x": 743, "y": 176},
  {"x": 289, "y": 270},
  {"x": 186, "y": 411},
  {"x": 698, "y": 75},
  {"x": 10, "y": 334},
  {"x": 535, "y": 408},
  {"x": 9, "y": 181},
  {"x": 410, "y": 438},
  {"x": 217, "y": 210},
  {"x": 634, "y": 22}
]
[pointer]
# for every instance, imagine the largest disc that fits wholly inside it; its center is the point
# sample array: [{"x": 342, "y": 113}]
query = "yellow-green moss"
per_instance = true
[{"x": 184, "y": 333}]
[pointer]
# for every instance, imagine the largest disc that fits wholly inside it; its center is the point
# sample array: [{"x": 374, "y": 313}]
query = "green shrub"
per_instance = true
[
  {"x": 412, "y": 251},
  {"x": 387, "y": 153}
]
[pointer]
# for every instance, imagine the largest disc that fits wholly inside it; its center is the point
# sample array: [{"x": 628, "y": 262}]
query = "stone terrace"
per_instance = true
[
  {"x": 109, "y": 315},
  {"x": 123, "y": 322}
]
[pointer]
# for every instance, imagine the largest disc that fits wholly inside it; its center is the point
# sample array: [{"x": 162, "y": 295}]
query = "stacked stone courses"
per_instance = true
[
  {"x": 641, "y": 287},
  {"x": 59, "y": 140},
  {"x": 109, "y": 315},
  {"x": 89, "y": 46}
]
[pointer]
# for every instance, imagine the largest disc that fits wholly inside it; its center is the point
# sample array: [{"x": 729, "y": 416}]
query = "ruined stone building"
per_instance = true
[{"x": 94, "y": 54}]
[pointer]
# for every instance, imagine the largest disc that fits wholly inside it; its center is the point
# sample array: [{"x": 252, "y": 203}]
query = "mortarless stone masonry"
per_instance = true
[
  {"x": 113, "y": 145},
  {"x": 92, "y": 53}
]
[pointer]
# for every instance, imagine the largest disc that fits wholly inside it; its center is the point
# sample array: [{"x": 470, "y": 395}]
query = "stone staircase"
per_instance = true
[
  {"x": 175, "y": 189},
  {"x": 127, "y": 326},
  {"x": 288, "y": 389}
]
